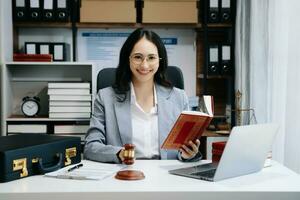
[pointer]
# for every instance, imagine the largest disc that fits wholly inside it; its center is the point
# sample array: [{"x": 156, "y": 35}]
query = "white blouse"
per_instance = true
[{"x": 144, "y": 128}]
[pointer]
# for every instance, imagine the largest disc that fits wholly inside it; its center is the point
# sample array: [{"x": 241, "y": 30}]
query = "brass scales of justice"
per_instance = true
[{"x": 238, "y": 110}]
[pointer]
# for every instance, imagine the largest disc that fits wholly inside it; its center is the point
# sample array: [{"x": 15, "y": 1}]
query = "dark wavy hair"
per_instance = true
[{"x": 124, "y": 74}]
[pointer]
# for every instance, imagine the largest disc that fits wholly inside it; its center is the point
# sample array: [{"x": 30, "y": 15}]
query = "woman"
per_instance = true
[{"x": 140, "y": 108}]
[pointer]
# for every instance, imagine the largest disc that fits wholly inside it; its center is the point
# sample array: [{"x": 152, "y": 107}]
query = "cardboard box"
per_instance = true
[
  {"x": 170, "y": 11},
  {"x": 108, "y": 11}
]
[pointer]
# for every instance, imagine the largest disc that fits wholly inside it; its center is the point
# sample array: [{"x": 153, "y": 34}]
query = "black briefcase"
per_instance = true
[{"x": 25, "y": 155}]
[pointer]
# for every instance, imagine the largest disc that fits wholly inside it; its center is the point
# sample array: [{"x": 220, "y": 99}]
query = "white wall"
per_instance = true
[
  {"x": 1, "y": 17},
  {"x": 104, "y": 51},
  {"x": 292, "y": 150},
  {"x": 6, "y": 44},
  {"x": 6, "y": 48}
]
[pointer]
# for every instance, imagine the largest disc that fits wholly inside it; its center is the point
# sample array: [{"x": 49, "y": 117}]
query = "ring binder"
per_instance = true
[
  {"x": 59, "y": 51},
  {"x": 44, "y": 48},
  {"x": 34, "y": 10},
  {"x": 48, "y": 10},
  {"x": 225, "y": 13},
  {"x": 62, "y": 10},
  {"x": 226, "y": 64},
  {"x": 213, "y": 60},
  {"x": 31, "y": 48},
  {"x": 20, "y": 11},
  {"x": 213, "y": 11}
]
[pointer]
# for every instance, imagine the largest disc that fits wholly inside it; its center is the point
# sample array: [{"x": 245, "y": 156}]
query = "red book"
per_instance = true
[
  {"x": 216, "y": 158},
  {"x": 217, "y": 152},
  {"x": 32, "y": 57},
  {"x": 190, "y": 125},
  {"x": 218, "y": 145}
]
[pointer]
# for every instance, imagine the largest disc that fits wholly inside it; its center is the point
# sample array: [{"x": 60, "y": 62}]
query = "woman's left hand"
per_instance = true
[{"x": 190, "y": 150}]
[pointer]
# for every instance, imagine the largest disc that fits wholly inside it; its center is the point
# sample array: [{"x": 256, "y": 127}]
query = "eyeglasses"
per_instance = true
[{"x": 138, "y": 58}]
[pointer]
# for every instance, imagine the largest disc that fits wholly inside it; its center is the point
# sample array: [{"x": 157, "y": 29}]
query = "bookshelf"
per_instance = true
[
  {"x": 36, "y": 75},
  {"x": 20, "y": 79}
]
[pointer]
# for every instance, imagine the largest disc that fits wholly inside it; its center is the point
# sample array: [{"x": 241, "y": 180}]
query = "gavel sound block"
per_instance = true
[{"x": 129, "y": 160}]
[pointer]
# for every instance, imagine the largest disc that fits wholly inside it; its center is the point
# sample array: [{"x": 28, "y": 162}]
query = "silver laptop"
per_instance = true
[{"x": 245, "y": 152}]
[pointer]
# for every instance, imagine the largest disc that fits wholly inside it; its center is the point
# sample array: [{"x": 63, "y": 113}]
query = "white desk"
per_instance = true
[{"x": 275, "y": 182}]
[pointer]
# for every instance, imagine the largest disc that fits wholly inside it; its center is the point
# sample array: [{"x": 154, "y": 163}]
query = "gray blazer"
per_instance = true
[{"x": 110, "y": 125}]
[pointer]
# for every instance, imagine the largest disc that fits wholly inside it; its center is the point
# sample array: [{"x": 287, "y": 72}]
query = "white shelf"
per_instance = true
[
  {"x": 48, "y": 63},
  {"x": 40, "y": 119},
  {"x": 45, "y": 79},
  {"x": 20, "y": 79}
]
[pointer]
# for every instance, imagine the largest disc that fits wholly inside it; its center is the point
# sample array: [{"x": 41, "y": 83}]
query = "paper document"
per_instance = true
[{"x": 89, "y": 171}]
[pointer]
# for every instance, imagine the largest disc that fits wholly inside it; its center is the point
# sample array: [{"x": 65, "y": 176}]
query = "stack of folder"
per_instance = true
[
  {"x": 42, "y": 10},
  {"x": 219, "y": 11},
  {"x": 60, "y": 51},
  {"x": 219, "y": 59}
]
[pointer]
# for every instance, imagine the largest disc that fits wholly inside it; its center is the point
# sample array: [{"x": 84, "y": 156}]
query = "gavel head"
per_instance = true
[{"x": 129, "y": 154}]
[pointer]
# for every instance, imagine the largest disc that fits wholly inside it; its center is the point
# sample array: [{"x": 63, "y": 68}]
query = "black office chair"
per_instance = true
[{"x": 106, "y": 77}]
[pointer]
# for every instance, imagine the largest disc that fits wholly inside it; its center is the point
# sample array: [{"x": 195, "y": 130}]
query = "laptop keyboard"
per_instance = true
[{"x": 209, "y": 173}]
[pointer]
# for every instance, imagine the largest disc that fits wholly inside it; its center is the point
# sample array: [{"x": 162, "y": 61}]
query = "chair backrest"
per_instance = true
[{"x": 106, "y": 77}]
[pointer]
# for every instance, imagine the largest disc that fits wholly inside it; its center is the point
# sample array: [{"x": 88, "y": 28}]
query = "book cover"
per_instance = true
[
  {"x": 218, "y": 145},
  {"x": 33, "y": 57},
  {"x": 190, "y": 125}
]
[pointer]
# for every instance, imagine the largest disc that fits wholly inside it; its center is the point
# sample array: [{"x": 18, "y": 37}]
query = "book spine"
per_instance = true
[
  {"x": 69, "y": 115},
  {"x": 58, "y": 91},
  {"x": 69, "y": 85},
  {"x": 70, "y": 97},
  {"x": 218, "y": 145},
  {"x": 71, "y": 109},
  {"x": 70, "y": 103}
]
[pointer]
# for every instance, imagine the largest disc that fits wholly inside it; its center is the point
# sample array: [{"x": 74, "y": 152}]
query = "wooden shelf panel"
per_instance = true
[
  {"x": 107, "y": 25},
  {"x": 198, "y": 26},
  {"x": 220, "y": 25},
  {"x": 43, "y": 25},
  {"x": 152, "y": 25},
  {"x": 21, "y": 118},
  {"x": 71, "y": 64},
  {"x": 208, "y": 133},
  {"x": 201, "y": 76},
  {"x": 137, "y": 25}
]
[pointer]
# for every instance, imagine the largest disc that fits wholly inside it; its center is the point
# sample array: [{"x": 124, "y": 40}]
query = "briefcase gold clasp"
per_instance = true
[
  {"x": 70, "y": 152},
  {"x": 21, "y": 164}
]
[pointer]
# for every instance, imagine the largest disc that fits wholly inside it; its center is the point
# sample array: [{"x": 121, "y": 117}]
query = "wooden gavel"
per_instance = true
[
  {"x": 129, "y": 174},
  {"x": 129, "y": 154}
]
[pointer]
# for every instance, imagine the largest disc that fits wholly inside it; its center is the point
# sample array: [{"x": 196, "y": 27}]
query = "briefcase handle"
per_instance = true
[{"x": 42, "y": 169}]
